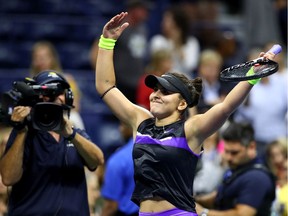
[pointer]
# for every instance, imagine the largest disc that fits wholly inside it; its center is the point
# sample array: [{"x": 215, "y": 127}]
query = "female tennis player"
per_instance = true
[{"x": 168, "y": 143}]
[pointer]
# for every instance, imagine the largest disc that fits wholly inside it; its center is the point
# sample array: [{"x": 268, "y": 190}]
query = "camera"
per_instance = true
[
  {"x": 47, "y": 116},
  {"x": 44, "y": 115}
]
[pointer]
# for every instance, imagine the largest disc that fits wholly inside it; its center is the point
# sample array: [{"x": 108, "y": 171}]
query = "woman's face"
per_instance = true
[
  {"x": 42, "y": 58},
  {"x": 163, "y": 103},
  {"x": 276, "y": 156},
  {"x": 210, "y": 71},
  {"x": 168, "y": 24}
]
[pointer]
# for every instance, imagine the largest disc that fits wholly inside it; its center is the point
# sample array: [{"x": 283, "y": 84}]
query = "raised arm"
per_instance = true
[
  {"x": 105, "y": 74},
  {"x": 214, "y": 118}
]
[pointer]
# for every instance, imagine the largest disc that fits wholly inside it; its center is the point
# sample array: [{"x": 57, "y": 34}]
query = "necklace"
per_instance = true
[{"x": 163, "y": 129}]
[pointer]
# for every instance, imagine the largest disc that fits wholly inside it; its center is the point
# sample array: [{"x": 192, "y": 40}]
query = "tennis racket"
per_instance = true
[{"x": 254, "y": 69}]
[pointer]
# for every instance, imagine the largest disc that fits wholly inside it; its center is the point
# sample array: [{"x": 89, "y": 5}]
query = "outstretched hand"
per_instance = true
[
  {"x": 268, "y": 55},
  {"x": 272, "y": 52},
  {"x": 114, "y": 28}
]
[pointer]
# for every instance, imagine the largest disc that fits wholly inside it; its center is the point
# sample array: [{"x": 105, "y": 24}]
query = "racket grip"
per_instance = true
[{"x": 276, "y": 49}]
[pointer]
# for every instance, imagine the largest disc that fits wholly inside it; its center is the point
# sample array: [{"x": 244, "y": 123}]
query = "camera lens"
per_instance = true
[{"x": 47, "y": 116}]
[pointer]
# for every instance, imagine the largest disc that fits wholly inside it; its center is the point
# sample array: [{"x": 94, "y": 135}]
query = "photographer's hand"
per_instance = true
[
  {"x": 91, "y": 153},
  {"x": 20, "y": 113},
  {"x": 67, "y": 128},
  {"x": 18, "y": 117}
]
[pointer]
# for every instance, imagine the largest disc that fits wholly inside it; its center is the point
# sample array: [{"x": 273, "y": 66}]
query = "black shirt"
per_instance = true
[
  {"x": 251, "y": 184},
  {"x": 164, "y": 164}
]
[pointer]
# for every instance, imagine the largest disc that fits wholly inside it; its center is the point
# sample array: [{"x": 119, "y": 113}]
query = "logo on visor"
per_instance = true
[{"x": 53, "y": 74}]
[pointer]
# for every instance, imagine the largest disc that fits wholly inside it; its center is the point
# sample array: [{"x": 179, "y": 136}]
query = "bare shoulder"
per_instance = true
[
  {"x": 193, "y": 134},
  {"x": 192, "y": 125}
]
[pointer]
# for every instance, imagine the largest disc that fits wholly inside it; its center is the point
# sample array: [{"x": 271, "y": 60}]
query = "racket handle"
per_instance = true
[{"x": 276, "y": 49}]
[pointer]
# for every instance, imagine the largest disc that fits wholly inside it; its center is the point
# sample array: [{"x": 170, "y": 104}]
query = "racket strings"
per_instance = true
[{"x": 239, "y": 72}]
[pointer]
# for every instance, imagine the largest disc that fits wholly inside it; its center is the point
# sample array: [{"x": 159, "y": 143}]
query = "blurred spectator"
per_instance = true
[
  {"x": 276, "y": 156},
  {"x": 190, "y": 7},
  {"x": 176, "y": 38},
  {"x": 282, "y": 197},
  {"x": 160, "y": 63},
  {"x": 214, "y": 91},
  {"x": 248, "y": 188},
  {"x": 277, "y": 160},
  {"x": 119, "y": 171},
  {"x": 131, "y": 47},
  {"x": 207, "y": 27},
  {"x": 230, "y": 47},
  {"x": 260, "y": 22},
  {"x": 265, "y": 111},
  {"x": 214, "y": 30},
  {"x": 45, "y": 57},
  {"x": 281, "y": 9},
  {"x": 212, "y": 164}
]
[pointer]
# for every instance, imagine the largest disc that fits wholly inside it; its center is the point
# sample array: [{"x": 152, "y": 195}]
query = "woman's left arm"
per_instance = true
[{"x": 214, "y": 118}]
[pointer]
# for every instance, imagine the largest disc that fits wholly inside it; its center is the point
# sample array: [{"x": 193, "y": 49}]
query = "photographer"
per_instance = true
[{"x": 46, "y": 168}]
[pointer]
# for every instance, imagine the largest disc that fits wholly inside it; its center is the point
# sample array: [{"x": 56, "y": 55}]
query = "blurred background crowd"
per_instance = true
[{"x": 195, "y": 37}]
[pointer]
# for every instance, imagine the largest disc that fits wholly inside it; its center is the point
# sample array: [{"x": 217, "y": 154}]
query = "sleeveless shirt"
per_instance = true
[{"x": 164, "y": 165}]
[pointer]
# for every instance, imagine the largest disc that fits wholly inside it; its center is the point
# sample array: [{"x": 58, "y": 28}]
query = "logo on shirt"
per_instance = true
[{"x": 69, "y": 144}]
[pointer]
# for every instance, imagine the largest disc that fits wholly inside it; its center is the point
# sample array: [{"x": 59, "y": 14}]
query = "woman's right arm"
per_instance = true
[{"x": 124, "y": 110}]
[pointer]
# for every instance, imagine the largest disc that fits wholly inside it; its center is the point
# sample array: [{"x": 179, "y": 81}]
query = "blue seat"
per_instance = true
[
  {"x": 8, "y": 76},
  {"x": 87, "y": 32},
  {"x": 15, "y": 54},
  {"x": 8, "y": 56},
  {"x": 17, "y": 6},
  {"x": 74, "y": 56}
]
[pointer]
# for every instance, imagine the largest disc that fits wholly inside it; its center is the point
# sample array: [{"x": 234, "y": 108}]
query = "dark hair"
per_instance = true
[
  {"x": 194, "y": 85},
  {"x": 181, "y": 20},
  {"x": 239, "y": 132}
]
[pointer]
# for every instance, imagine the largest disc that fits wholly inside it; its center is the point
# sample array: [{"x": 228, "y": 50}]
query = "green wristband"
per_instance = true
[
  {"x": 253, "y": 81},
  {"x": 106, "y": 43}
]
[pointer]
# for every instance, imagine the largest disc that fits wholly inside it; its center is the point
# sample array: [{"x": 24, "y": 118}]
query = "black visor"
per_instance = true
[{"x": 172, "y": 84}]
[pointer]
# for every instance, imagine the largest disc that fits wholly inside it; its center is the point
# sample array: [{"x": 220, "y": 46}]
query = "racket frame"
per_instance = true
[{"x": 261, "y": 61}]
